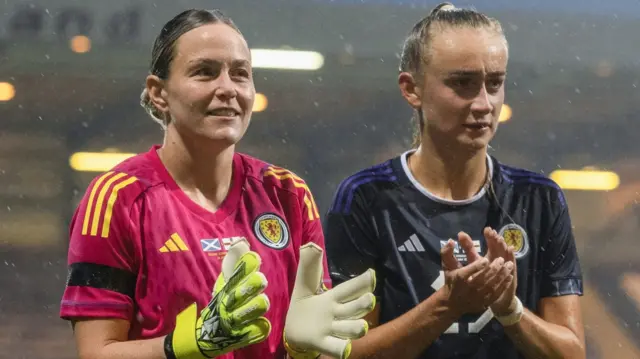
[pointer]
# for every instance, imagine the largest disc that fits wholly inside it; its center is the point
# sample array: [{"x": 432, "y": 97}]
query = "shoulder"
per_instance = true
[
  {"x": 121, "y": 185},
  {"x": 364, "y": 185},
  {"x": 281, "y": 183},
  {"x": 271, "y": 176},
  {"x": 533, "y": 183}
]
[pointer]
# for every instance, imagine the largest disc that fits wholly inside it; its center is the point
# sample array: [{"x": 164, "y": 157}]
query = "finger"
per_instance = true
[
  {"x": 248, "y": 288},
  {"x": 479, "y": 280},
  {"x": 449, "y": 261},
  {"x": 467, "y": 245},
  {"x": 248, "y": 263},
  {"x": 355, "y": 287},
  {"x": 355, "y": 309},
  {"x": 493, "y": 284},
  {"x": 335, "y": 347},
  {"x": 253, "y": 309},
  {"x": 465, "y": 272},
  {"x": 236, "y": 250},
  {"x": 257, "y": 330},
  {"x": 502, "y": 244},
  {"x": 511, "y": 257},
  {"x": 349, "y": 329},
  {"x": 492, "y": 242},
  {"x": 309, "y": 274}
]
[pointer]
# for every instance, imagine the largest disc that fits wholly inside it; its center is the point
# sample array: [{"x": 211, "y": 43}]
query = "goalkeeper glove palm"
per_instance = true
[
  {"x": 326, "y": 323},
  {"x": 233, "y": 319}
]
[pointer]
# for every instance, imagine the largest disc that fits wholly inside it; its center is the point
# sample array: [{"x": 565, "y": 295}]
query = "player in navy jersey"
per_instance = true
[
  {"x": 508, "y": 286},
  {"x": 192, "y": 250}
]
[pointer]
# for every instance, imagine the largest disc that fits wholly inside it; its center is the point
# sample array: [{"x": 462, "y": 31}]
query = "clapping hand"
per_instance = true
[{"x": 481, "y": 282}]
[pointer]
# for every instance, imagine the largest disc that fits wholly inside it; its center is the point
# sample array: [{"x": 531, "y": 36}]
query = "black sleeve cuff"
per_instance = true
[
  {"x": 168, "y": 347},
  {"x": 561, "y": 287}
]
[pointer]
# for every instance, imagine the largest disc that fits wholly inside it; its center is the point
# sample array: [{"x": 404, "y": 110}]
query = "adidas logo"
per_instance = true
[
  {"x": 174, "y": 244},
  {"x": 411, "y": 245}
]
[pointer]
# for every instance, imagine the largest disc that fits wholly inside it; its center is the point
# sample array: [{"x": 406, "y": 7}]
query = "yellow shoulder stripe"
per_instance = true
[
  {"x": 104, "y": 188},
  {"x": 283, "y": 174}
]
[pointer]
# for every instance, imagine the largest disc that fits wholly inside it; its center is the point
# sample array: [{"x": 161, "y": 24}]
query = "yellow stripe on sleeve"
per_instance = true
[
  {"x": 106, "y": 225},
  {"x": 98, "y": 210},
  {"x": 282, "y": 174},
  {"x": 87, "y": 212}
]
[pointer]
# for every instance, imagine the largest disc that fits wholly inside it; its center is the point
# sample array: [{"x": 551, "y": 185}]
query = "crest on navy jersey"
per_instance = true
[
  {"x": 271, "y": 230},
  {"x": 516, "y": 237}
]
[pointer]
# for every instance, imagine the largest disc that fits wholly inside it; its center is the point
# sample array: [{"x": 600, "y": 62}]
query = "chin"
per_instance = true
[
  {"x": 475, "y": 143},
  {"x": 230, "y": 135},
  {"x": 226, "y": 136}
]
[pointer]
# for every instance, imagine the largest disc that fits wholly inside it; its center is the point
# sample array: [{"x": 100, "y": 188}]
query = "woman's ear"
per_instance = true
[
  {"x": 157, "y": 94},
  {"x": 410, "y": 90}
]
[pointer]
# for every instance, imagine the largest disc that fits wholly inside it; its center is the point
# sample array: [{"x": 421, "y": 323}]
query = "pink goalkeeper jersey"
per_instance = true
[{"x": 141, "y": 250}]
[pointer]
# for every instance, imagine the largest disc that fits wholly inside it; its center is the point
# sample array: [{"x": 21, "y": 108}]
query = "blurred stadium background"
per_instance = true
[{"x": 71, "y": 73}]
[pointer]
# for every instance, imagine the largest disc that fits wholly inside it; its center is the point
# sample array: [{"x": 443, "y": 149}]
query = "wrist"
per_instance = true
[
  {"x": 168, "y": 347},
  {"x": 511, "y": 316},
  {"x": 502, "y": 311}
]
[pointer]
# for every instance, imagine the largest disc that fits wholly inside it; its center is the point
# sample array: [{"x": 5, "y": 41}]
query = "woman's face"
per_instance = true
[
  {"x": 209, "y": 92},
  {"x": 461, "y": 91}
]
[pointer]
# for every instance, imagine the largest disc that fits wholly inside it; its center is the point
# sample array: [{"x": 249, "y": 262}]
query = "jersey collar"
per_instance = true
[{"x": 433, "y": 197}]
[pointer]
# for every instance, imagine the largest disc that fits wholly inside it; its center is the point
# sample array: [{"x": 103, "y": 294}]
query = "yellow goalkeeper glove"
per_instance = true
[
  {"x": 325, "y": 322},
  {"x": 233, "y": 319}
]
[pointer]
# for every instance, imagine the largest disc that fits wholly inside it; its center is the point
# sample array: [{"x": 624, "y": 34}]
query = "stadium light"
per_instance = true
[
  {"x": 96, "y": 161},
  {"x": 80, "y": 44},
  {"x": 260, "y": 103},
  {"x": 586, "y": 180},
  {"x": 505, "y": 113},
  {"x": 7, "y": 91},
  {"x": 286, "y": 59}
]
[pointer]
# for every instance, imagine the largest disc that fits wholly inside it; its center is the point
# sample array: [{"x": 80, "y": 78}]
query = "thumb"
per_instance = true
[
  {"x": 309, "y": 275},
  {"x": 449, "y": 261},
  {"x": 467, "y": 245},
  {"x": 237, "y": 249}
]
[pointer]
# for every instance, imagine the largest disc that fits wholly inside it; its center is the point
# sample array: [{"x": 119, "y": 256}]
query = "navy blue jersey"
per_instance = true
[{"x": 382, "y": 218}]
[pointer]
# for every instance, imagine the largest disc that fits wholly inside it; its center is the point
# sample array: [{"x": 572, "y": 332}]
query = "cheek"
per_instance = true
[
  {"x": 246, "y": 98},
  {"x": 193, "y": 93},
  {"x": 449, "y": 106}
]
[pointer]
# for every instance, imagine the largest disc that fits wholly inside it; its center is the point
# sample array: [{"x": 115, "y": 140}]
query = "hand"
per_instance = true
[
  {"x": 326, "y": 322},
  {"x": 496, "y": 249},
  {"x": 233, "y": 319},
  {"x": 505, "y": 303},
  {"x": 472, "y": 288},
  {"x": 496, "y": 245}
]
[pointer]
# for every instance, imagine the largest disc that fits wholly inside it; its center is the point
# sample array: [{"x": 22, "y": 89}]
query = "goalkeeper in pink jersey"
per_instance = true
[{"x": 192, "y": 250}]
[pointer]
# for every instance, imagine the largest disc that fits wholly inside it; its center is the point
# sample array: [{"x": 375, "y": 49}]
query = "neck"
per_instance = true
[
  {"x": 202, "y": 172},
  {"x": 449, "y": 174}
]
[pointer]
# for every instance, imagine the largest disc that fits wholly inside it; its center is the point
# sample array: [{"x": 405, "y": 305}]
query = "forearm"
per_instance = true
[
  {"x": 538, "y": 339},
  {"x": 408, "y": 335},
  {"x": 135, "y": 349}
]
